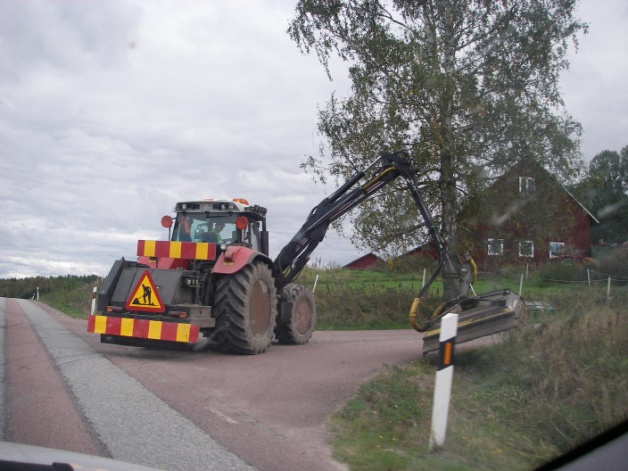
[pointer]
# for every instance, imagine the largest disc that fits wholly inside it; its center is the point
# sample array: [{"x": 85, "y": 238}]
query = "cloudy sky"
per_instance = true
[{"x": 113, "y": 110}]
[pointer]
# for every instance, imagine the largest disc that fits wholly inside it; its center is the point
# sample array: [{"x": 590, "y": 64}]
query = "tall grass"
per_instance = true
[
  {"x": 615, "y": 265},
  {"x": 514, "y": 405},
  {"x": 349, "y": 299},
  {"x": 74, "y": 300},
  {"x": 371, "y": 308},
  {"x": 566, "y": 378}
]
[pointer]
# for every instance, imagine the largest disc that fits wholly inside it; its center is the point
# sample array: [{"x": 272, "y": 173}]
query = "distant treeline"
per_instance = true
[{"x": 25, "y": 288}]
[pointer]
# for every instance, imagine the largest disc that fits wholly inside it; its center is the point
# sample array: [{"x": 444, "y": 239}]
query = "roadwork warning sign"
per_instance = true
[{"x": 145, "y": 296}]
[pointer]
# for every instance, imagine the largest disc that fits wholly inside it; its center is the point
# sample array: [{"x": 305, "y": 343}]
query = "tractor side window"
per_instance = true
[
  {"x": 252, "y": 236},
  {"x": 182, "y": 228}
]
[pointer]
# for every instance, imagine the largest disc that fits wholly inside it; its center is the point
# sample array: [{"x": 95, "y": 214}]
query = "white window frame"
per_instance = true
[
  {"x": 530, "y": 244},
  {"x": 526, "y": 185},
  {"x": 495, "y": 247},
  {"x": 554, "y": 246}
]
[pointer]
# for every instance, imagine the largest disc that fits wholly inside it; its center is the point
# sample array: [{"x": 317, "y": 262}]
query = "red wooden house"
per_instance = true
[{"x": 526, "y": 216}]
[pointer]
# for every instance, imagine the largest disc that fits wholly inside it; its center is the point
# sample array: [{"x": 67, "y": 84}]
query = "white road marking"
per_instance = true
[{"x": 226, "y": 418}]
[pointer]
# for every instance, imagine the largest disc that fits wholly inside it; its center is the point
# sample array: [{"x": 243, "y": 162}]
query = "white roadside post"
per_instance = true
[
  {"x": 444, "y": 378},
  {"x": 93, "y": 311}
]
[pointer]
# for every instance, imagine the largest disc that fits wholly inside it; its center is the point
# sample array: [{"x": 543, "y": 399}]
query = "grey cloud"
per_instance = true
[
  {"x": 110, "y": 112},
  {"x": 69, "y": 34}
]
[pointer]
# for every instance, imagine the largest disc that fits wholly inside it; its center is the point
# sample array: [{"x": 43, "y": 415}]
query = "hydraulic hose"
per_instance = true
[
  {"x": 414, "y": 311},
  {"x": 439, "y": 310},
  {"x": 474, "y": 268},
  {"x": 412, "y": 316}
]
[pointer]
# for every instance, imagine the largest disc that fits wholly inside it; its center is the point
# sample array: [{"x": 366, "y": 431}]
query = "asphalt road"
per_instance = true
[{"x": 62, "y": 388}]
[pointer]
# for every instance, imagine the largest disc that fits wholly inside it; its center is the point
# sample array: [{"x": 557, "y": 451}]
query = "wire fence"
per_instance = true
[
  {"x": 586, "y": 277},
  {"x": 531, "y": 284},
  {"x": 593, "y": 276}
]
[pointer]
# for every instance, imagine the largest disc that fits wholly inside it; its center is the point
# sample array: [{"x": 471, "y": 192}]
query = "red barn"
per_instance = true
[{"x": 364, "y": 262}]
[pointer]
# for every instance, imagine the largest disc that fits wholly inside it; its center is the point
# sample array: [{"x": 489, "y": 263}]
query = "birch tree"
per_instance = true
[{"x": 467, "y": 87}]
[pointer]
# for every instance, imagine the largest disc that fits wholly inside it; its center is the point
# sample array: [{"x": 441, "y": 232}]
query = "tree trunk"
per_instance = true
[
  {"x": 449, "y": 197},
  {"x": 451, "y": 277}
]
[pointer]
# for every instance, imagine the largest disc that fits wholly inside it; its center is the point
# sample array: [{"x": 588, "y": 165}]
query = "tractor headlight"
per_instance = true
[{"x": 223, "y": 246}]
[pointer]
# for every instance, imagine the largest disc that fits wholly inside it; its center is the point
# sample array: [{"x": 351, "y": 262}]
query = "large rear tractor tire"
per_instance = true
[
  {"x": 297, "y": 315},
  {"x": 246, "y": 310}
]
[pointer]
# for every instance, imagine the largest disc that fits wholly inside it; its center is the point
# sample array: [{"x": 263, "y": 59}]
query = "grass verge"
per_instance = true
[
  {"x": 75, "y": 301},
  {"x": 514, "y": 405}
]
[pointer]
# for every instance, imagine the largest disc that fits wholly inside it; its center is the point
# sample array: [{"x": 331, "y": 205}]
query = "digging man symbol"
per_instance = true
[{"x": 147, "y": 295}]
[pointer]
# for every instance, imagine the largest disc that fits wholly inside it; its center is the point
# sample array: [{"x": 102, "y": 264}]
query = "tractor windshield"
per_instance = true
[{"x": 204, "y": 227}]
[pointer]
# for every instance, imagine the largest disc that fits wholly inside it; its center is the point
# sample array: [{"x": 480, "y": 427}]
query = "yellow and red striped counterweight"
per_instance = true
[
  {"x": 174, "y": 249},
  {"x": 143, "y": 328}
]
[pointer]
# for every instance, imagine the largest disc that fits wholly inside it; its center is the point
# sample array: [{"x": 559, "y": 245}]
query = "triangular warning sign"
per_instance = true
[{"x": 145, "y": 296}]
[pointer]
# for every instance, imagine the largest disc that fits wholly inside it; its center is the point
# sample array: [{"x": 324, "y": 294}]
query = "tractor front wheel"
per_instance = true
[
  {"x": 245, "y": 310},
  {"x": 297, "y": 315}
]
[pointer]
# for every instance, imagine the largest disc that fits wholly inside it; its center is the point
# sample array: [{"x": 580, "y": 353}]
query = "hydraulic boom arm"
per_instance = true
[{"x": 295, "y": 255}]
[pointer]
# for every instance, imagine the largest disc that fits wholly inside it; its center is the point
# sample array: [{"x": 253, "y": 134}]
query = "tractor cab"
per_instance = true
[
  {"x": 202, "y": 231},
  {"x": 202, "y": 227},
  {"x": 220, "y": 222}
]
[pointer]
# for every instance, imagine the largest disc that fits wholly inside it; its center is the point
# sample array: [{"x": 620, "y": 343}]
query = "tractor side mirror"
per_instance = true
[
  {"x": 166, "y": 222},
  {"x": 242, "y": 222}
]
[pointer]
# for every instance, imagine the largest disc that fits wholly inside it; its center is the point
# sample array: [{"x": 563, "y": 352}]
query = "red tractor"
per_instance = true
[{"x": 214, "y": 276}]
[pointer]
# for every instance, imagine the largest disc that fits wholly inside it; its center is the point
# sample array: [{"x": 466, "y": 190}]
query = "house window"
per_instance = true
[
  {"x": 556, "y": 249},
  {"x": 526, "y": 185},
  {"x": 496, "y": 246},
  {"x": 526, "y": 248}
]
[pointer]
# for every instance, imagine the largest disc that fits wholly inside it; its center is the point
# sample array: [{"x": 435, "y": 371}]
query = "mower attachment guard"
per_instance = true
[{"x": 483, "y": 315}]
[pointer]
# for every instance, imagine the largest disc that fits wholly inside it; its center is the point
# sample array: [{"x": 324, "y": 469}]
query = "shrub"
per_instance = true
[
  {"x": 559, "y": 271},
  {"x": 346, "y": 307},
  {"x": 615, "y": 264},
  {"x": 415, "y": 263}
]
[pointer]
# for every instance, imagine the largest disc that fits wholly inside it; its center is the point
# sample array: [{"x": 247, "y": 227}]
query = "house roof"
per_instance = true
[
  {"x": 581, "y": 205},
  {"x": 523, "y": 163},
  {"x": 368, "y": 256}
]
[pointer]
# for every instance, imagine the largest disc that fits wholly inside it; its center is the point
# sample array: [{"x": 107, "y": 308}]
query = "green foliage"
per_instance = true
[
  {"x": 515, "y": 404},
  {"x": 569, "y": 373},
  {"x": 575, "y": 275},
  {"x": 368, "y": 299},
  {"x": 614, "y": 264},
  {"x": 563, "y": 272},
  {"x": 604, "y": 191},
  {"x": 70, "y": 294},
  {"x": 466, "y": 87},
  {"x": 367, "y": 307},
  {"x": 381, "y": 298},
  {"x": 414, "y": 264},
  {"x": 378, "y": 429}
]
